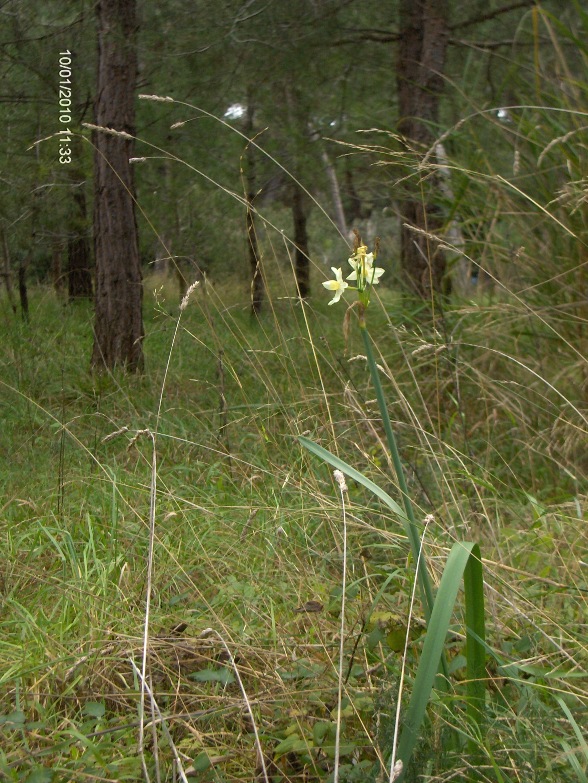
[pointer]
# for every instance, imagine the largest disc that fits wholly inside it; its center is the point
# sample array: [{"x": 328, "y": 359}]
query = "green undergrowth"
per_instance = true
[{"x": 248, "y": 541}]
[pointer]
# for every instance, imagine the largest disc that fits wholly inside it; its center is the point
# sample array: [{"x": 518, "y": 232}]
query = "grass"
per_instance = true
[
  {"x": 189, "y": 485},
  {"x": 248, "y": 537}
]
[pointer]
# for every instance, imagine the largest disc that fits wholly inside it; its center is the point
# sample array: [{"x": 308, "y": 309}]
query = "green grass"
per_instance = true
[
  {"x": 239, "y": 530},
  {"x": 248, "y": 530}
]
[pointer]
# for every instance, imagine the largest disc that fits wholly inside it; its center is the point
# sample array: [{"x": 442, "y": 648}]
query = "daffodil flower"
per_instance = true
[
  {"x": 338, "y": 285},
  {"x": 364, "y": 271},
  {"x": 363, "y": 275}
]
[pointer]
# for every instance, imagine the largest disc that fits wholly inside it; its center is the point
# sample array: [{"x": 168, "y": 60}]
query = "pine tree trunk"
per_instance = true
[
  {"x": 23, "y": 292},
  {"x": 340, "y": 221},
  {"x": 79, "y": 275},
  {"x": 56, "y": 268},
  {"x": 354, "y": 209},
  {"x": 301, "y": 258},
  {"x": 118, "y": 328},
  {"x": 257, "y": 284},
  {"x": 7, "y": 272},
  {"x": 421, "y": 59},
  {"x": 299, "y": 123}
]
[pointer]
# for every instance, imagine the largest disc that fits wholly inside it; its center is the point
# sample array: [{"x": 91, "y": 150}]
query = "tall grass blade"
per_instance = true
[
  {"x": 390, "y": 437},
  {"x": 473, "y": 582},
  {"x": 463, "y": 561},
  {"x": 412, "y": 529},
  {"x": 582, "y": 744}
]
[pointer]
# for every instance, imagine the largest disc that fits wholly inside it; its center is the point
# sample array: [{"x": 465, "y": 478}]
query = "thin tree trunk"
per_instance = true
[
  {"x": 335, "y": 193},
  {"x": 169, "y": 241},
  {"x": 118, "y": 326},
  {"x": 79, "y": 275},
  {"x": 7, "y": 272},
  {"x": 299, "y": 123},
  {"x": 179, "y": 268},
  {"x": 23, "y": 290},
  {"x": 257, "y": 284},
  {"x": 301, "y": 257},
  {"x": 355, "y": 210},
  {"x": 56, "y": 268},
  {"x": 421, "y": 59}
]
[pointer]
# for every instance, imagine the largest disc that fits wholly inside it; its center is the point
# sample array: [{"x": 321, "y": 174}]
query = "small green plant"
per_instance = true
[{"x": 464, "y": 560}]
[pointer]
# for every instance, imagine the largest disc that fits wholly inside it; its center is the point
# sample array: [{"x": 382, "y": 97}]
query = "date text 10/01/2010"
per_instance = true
[{"x": 65, "y": 106}]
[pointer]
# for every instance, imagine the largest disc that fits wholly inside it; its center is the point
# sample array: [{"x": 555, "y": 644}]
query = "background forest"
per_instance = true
[{"x": 187, "y": 590}]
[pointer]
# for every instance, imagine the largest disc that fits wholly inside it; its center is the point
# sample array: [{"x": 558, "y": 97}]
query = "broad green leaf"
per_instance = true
[
  {"x": 345, "y": 749},
  {"x": 301, "y": 670},
  {"x": 292, "y": 744},
  {"x": 16, "y": 718},
  {"x": 463, "y": 561},
  {"x": 224, "y": 676},
  {"x": 321, "y": 730},
  {"x": 95, "y": 709},
  {"x": 40, "y": 775},
  {"x": 202, "y": 762}
]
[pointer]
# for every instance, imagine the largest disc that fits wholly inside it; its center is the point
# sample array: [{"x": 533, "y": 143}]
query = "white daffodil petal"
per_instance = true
[
  {"x": 338, "y": 285},
  {"x": 374, "y": 275}
]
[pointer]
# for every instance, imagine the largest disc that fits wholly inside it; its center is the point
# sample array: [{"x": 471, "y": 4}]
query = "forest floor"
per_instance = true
[{"x": 188, "y": 485}]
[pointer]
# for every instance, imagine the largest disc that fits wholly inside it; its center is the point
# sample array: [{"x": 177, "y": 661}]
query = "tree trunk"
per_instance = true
[
  {"x": 421, "y": 59},
  {"x": 257, "y": 284},
  {"x": 23, "y": 290},
  {"x": 180, "y": 269},
  {"x": 301, "y": 258},
  {"x": 57, "y": 275},
  {"x": 118, "y": 326},
  {"x": 298, "y": 120},
  {"x": 340, "y": 221},
  {"x": 354, "y": 209},
  {"x": 79, "y": 275},
  {"x": 7, "y": 272}
]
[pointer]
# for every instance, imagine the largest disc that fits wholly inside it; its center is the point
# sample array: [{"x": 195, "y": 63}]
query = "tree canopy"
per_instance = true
[{"x": 345, "y": 100}]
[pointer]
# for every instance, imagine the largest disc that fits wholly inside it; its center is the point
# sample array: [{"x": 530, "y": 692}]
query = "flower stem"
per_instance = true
[{"x": 414, "y": 532}]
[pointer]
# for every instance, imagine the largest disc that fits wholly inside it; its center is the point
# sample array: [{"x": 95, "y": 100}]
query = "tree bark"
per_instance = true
[
  {"x": 257, "y": 284},
  {"x": 421, "y": 60},
  {"x": 301, "y": 257},
  {"x": 23, "y": 292},
  {"x": 340, "y": 221},
  {"x": 7, "y": 272},
  {"x": 79, "y": 275},
  {"x": 354, "y": 209},
  {"x": 118, "y": 326},
  {"x": 57, "y": 275},
  {"x": 298, "y": 120}
]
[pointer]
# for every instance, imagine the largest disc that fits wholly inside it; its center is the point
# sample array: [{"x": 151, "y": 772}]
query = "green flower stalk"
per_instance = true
[{"x": 365, "y": 274}]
